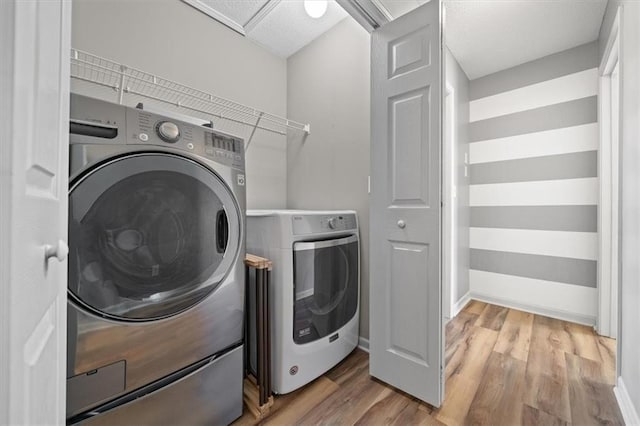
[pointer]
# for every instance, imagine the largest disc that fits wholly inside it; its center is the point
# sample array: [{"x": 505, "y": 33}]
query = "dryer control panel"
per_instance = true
[{"x": 322, "y": 223}]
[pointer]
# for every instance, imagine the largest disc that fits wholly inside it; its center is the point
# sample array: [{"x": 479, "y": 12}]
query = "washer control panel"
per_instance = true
[
  {"x": 144, "y": 127},
  {"x": 311, "y": 224}
]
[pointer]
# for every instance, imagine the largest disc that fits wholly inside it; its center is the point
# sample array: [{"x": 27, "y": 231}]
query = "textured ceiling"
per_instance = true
[
  {"x": 288, "y": 28},
  {"x": 239, "y": 11},
  {"x": 285, "y": 27},
  {"x": 487, "y": 36}
]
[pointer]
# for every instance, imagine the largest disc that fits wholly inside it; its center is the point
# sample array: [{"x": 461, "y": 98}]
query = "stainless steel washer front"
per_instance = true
[{"x": 156, "y": 232}]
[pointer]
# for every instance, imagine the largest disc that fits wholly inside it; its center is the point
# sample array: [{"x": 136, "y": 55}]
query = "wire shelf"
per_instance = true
[{"x": 128, "y": 80}]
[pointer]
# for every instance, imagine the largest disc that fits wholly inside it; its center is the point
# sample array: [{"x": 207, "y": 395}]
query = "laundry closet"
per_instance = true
[
  {"x": 429, "y": 195},
  {"x": 283, "y": 102}
]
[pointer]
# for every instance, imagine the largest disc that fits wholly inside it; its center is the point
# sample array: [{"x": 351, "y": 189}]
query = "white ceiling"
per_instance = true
[
  {"x": 487, "y": 36},
  {"x": 281, "y": 26}
]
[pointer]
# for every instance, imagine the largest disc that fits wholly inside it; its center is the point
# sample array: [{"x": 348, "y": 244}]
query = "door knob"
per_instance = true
[
  {"x": 59, "y": 251},
  {"x": 401, "y": 224}
]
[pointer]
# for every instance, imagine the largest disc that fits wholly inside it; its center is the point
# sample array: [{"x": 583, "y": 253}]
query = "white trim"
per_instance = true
[
  {"x": 561, "y": 192},
  {"x": 365, "y": 12},
  {"x": 628, "y": 410},
  {"x": 460, "y": 304},
  {"x": 575, "y": 245},
  {"x": 565, "y": 140},
  {"x": 562, "y": 89},
  {"x": 535, "y": 309},
  {"x": 260, "y": 15},
  {"x": 554, "y": 299},
  {"x": 608, "y": 171},
  {"x": 449, "y": 234},
  {"x": 363, "y": 343},
  {"x": 223, "y": 19}
]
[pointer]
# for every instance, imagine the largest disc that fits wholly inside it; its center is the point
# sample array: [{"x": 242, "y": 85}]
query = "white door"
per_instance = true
[
  {"x": 405, "y": 278},
  {"x": 35, "y": 45}
]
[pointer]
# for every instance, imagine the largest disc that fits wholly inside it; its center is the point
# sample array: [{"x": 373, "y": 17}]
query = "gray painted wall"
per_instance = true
[
  {"x": 460, "y": 83},
  {"x": 176, "y": 41},
  {"x": 629, "y": 338},
  {"x": 536, "y": 152},
  {"x": 328, "y": 84}
]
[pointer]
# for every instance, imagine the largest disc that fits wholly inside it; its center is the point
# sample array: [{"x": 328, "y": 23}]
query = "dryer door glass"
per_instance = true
[
  {"x": 325, "y": 287},
  {"x": 150, "y": 235}
]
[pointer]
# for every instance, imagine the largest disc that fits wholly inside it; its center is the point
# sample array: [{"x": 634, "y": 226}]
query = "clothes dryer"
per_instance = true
[{"x": 315, "y": 289}]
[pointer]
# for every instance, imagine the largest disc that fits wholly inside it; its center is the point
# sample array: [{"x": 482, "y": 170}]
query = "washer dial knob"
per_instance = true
[
  {"x": 332, "y": 223},
  {"x": 168, "y": 131}
]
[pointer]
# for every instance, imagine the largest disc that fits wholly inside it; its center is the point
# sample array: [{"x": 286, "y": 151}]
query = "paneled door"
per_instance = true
[
  {"x": 405, "y": 284},
  {"x": 34, "y": 109}
]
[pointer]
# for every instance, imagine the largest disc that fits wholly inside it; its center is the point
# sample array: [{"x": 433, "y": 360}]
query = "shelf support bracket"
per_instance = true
[{"x": 253, "y": 132}]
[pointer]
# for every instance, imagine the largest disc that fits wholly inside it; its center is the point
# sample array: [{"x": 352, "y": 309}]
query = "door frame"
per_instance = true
[
  {"x": 449, "y": 189},
  {"x": 609, "y": 186}
]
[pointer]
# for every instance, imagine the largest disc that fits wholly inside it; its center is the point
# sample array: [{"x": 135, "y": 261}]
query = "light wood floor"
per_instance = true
[{"x": 504, "y": 367}]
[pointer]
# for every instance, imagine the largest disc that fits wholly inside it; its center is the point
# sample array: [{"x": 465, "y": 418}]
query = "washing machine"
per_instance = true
[
  {"x": 315, "y": 289},
  {"x": 156, "y": 275}
]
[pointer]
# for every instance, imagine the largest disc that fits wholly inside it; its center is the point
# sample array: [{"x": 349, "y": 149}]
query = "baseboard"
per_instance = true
[
  {"x": 534, "y": 309},
  {"x": 629, "y": 413},
  {"x": 363, "y": 344},
  {"x": 460, "y": 304},
  {"x": 563, "y": 301}
]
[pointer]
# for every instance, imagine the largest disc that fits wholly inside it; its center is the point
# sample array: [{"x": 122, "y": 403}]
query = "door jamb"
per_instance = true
[
  {"x": 449, "y": 196},
  {"x": 608, "y": 171}
]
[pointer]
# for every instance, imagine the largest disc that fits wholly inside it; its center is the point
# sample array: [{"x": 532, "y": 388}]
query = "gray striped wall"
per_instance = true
[{"x": 569, "y": 167}]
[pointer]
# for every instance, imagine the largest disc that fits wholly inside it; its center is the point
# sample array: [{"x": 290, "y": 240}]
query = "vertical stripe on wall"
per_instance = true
[{"x": 534, "y": 186}]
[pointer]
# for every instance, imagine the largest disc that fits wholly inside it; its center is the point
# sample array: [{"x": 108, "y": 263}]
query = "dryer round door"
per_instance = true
[{"x": 151, "y": 235}]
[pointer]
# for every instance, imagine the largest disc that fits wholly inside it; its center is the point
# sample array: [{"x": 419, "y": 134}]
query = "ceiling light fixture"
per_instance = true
[{"x": 315, "y": 8}]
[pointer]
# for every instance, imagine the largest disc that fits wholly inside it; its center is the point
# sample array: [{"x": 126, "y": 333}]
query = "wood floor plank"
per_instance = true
[
  {"x": 515, "y": 335},
  {"x": 556, "y": 333},
  {"x": 413, "y": 414},
  {"x": 386, "y": 410},
  {"x": 546, "y": 387},
  {"x": 355, "y": 364},
  {"x": 607, "y": 349},
  {"x": 492, "y": 317},
  {"x": 499, "y": 397},
  {"x": 592, "y": 402},
  {"x": 474, "y": 307},
  {"x": 348, "y": 404},
  {"x": 298, "y": 405},
  {"x": 464, "y": 373},
  {"x": 456, "y": 332},
  {"x": 534, "y": 417},
  {"x": 584, "y": 340}
]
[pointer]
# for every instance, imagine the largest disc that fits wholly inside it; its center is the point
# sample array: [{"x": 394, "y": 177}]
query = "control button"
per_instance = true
[
  {"x": 168, "y": 131},
  {"x": 143, "y": 137},
  {"x": 332, "y": 223},
  {"x": 190, "y": 145}
]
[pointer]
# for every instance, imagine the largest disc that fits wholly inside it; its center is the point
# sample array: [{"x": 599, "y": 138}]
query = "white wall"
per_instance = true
[
  {"x": 328, "y": 85},
  {"x": 629, "y": 293},
  {"x": 178, "y": 42},
  {"x": 460, "y": 83}
]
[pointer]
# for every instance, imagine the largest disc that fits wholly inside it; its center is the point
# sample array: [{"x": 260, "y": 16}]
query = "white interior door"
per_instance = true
[
  {"x": 34, "y": 123},
  {"x": 405, "y": 284}
]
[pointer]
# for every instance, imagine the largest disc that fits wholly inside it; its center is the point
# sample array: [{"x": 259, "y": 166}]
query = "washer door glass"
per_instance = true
[
  {"x": 150, "y": 236},
  {"x": 325, "y": 287}
]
